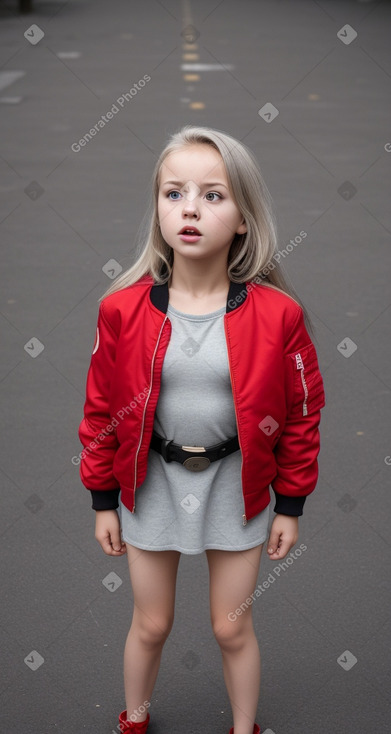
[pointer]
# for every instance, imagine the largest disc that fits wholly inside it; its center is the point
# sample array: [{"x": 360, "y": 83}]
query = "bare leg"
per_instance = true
[
  {"x": 233, "y": 576},
  {"x": 153, "y": 578}
]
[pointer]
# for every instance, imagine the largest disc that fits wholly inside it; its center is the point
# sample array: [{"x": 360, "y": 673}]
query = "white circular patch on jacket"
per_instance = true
[{"x": 96, "y": 341}]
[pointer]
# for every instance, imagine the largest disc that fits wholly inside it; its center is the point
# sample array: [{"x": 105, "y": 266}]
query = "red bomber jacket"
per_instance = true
[{"x": 277, "y": 391}]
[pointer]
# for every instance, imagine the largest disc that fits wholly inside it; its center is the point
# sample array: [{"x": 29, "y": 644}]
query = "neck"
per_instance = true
[{"x": 194, "y": 279}]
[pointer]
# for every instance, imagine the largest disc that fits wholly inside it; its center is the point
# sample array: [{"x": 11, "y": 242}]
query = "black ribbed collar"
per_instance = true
[{"x": 237, "y": 294}]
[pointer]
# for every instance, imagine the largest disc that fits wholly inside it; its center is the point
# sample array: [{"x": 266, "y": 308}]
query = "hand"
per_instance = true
[
  {"x": 284, "y": 533},
  {"x": 108, "y": 532}
]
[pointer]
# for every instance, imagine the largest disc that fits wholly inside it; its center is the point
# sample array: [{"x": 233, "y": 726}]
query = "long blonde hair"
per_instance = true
[{"x": 251, "y": 255}]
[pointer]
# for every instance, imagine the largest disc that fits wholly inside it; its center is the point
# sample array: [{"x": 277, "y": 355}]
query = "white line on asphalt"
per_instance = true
[
  {"x": 10, "y": 100},
  {"x": 68, "y": 54},
  {"x": 206, "y": 67},
  {"x": 9, "y": 77}
]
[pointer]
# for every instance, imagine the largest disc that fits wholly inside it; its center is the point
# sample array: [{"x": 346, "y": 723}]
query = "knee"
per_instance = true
[
  {"x": 153, "y": 631},
  {"x": 230, "y": 635}
]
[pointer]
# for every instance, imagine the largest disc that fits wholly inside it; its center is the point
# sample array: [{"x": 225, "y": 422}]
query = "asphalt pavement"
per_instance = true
[{"x": 306, "y": 85}]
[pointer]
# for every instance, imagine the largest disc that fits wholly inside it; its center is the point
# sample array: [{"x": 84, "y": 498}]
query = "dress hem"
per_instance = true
[{"x": 191, "y": 552}]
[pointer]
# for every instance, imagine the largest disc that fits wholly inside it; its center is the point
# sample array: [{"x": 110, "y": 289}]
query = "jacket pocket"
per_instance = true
[{"x": 307, "y": 390}]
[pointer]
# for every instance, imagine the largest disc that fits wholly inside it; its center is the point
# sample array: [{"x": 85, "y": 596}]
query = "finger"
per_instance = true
[
  {"x": 116, "y": 541},
  {"x": 273, "y": 543},
  {"x": 105, "y": 542},
  {"x": 281, "y": 551},
  {"x": 112, "y": 551}
]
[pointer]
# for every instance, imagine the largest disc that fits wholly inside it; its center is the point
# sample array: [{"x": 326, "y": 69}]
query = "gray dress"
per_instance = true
[{"x": 177, "y": 509}]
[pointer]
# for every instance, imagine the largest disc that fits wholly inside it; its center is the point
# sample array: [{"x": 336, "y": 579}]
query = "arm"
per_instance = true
[
  {"x": 98, "y": 437},
  {"x": 298, "y": 446},
  {"x": 97, "y": 429},
  {"x": 108, "y": 533}
]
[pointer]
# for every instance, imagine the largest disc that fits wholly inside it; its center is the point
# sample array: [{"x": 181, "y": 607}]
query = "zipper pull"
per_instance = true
[
  {"x": 244, "y": 519},
  {"x": 299, "y": 362}
]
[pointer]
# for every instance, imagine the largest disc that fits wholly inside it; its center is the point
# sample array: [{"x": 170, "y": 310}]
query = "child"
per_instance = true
[{"x": 203, "y": 390}]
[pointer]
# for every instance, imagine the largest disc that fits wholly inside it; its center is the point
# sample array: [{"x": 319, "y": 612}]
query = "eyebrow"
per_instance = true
[{"x": 179, "y": 183}]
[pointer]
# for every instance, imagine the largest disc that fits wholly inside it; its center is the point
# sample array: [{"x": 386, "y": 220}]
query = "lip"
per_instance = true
[
  {"x": 195, "y": 230},
  {"x": 194, "y": 237},
  {"x": 190, "y": 237}
]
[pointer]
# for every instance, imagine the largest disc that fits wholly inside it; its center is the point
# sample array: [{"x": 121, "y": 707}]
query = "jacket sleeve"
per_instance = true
[
  {"x": 97, "y": 430},
  {"x": 298, "y": 446}
]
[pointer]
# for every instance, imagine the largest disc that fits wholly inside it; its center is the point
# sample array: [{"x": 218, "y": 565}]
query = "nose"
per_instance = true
[
  {"x": 190, "y": 202},
  {"x": 190, "y": 209}
]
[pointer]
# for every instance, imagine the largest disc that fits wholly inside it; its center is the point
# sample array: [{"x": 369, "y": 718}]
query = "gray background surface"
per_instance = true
[{"x": 63, "y": 216}]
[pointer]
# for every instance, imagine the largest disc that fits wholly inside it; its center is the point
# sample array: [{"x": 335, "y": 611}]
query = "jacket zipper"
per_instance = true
[
  {"x": 144, "y": 413},
  {"x": 300, "y": 366},
  {"x": 244, "y": 518}
]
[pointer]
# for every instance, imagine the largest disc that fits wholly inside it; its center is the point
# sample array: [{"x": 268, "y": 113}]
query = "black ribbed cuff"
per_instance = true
[
  {"x": 289, "y": 505},
  {"x": 105, "y": 499}
]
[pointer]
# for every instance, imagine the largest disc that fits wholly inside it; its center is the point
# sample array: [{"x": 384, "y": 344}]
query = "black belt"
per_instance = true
[{"x": 200, "y": 456}]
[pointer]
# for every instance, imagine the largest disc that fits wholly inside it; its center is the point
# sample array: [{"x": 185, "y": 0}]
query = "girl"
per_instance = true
[{"x": 203, "y": 390}]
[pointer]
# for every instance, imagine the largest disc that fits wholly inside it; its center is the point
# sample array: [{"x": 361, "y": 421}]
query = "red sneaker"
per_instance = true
[
  {"x": 132, "y": 727},
  {"x": 256, "y": 730}
]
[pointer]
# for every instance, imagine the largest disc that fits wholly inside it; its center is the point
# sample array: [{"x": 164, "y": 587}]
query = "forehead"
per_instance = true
[{"x": 197, "y": 162}]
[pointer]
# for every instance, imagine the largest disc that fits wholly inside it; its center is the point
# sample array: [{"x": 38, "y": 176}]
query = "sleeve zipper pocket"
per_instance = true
[{"x": 300, "y": 366}]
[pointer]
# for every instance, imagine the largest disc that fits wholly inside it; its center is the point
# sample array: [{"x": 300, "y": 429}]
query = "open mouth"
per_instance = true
[
  {"x": 190, "y": 230},
  {"x": 190, "y": 234}
]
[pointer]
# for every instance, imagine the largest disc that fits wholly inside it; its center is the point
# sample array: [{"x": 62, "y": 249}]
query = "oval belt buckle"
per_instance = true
[{"x": 196, "y": 463}]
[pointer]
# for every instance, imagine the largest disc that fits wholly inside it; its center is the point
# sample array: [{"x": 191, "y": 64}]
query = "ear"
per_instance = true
[{"x": 242, "y": 228}]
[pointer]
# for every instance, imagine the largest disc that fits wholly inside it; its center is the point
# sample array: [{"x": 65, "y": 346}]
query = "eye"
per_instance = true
[
  {"x": 210, "y": 193},
  {"x": 214, "y": 193}
]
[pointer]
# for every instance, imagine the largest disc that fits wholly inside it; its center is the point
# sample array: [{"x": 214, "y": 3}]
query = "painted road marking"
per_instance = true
[
  {"x": 10, "y": 100},
  {"x": 206, "y": 67},
  {"x": 68, "y": 54},
  {"x": 9, "y": 77}
]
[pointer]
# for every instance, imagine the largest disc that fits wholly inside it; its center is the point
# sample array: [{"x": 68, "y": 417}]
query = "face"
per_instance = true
[{"x": 194, "y": 192}]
